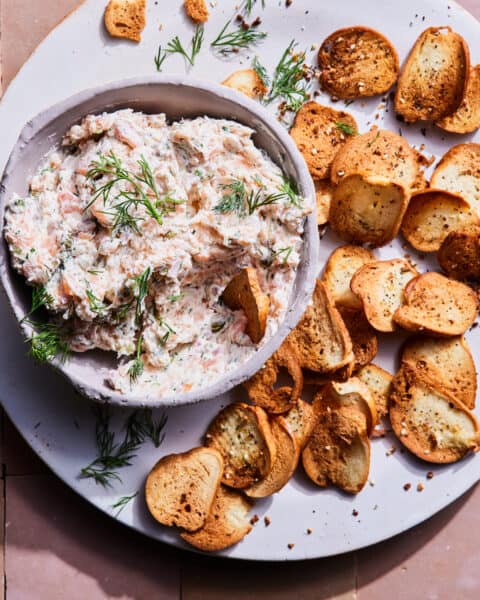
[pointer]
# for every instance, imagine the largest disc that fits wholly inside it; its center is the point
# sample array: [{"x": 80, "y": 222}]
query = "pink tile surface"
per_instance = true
[{"x": 59, "y": 547}]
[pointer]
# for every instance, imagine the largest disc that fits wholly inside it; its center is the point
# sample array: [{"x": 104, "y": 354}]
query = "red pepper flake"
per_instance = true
[
  {"x": 254, "y": 519},
  {"x": 355, "y": 512},
  {"x": 407, "y": 486}
]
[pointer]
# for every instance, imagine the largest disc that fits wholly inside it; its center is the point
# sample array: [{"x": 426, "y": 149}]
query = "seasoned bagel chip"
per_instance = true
[
  {"x": 285, "y": 463},
  {"x": 242, "y": 435},
  {"x": 459, "y": 254},
  {"x": 181, "y": 488},
  {"x": 459, "y": 172},
  {"x": 379, "y": 383},
  {"x": 262, "y": 389},
  {"x": 429, "y": 421},
  {"x": 300, "y": 421},
  {"x": 246, "y": 81},
  {"x": 323, "y": 198},
  {"x": 226, "y": 525},
  {"x": 432, "y": 214},
  {"x": 341, "y": 266},
  {"x": 197, "y": 10},
  {"x": 378, "y": 153},
  {"x": 319, "y": 131},
  {"x": 433, "y": 79},
  {"x": 446, "y": 361},
  {"x": 367, "y": 209},
  {"x": 466, "y": 118},
  {"x": 362, "y": 334},
  {"x": 435, "y": 304},
  {"x": 321, "y": 340},
  {"x": 357, "y": 62},
  {"x": 380, "y": 287},
  {"x": 244, "y": 292},
  {"x": 125, "y": 19},
  {"x": 338, "y": 451}
]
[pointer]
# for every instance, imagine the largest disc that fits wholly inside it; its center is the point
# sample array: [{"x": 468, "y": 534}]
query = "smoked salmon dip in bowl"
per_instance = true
[{"x": 127, "y": 210}]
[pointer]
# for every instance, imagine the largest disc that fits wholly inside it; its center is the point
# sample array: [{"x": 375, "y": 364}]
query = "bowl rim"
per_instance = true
[{"x": 304, "y": 292}]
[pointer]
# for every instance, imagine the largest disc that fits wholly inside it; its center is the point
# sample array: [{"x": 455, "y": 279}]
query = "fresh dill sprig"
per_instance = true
[
  {"x": 96, "y": 305},
  {"x": 40, "y": 297},
  {"x": 249, "y": 4},
  {"x": 289, "y": 189},
  {"x": 113, "y": 455},
  {"x": 169, "y": 330},
  {"x": 159, "y": 58},
  {"x": 137, "y": 367},
  {"x": 285, "y": 252},
  {"x": 122, "y": 503},
  {"x": 141, "y": 291},
  {"x": 346, "y": 128},
  {"x": 261, "y": 71},
  {"x": 47, "y": 342},
  {"x": 111, "y": 166},
  {"x": 289, "y": 82},
  {"x": 175, "y": 46},
  {"x": 242, "y": 202},
  {"x": 175, "y": 297},
  {"x": 227, "y": 42}
]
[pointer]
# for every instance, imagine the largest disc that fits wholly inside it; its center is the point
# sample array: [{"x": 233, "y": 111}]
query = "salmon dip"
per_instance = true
[{"x": 132, "y": 229}]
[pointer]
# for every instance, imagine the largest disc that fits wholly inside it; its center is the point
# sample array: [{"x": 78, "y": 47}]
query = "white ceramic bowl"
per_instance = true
[{"x": 177, "y": 97}]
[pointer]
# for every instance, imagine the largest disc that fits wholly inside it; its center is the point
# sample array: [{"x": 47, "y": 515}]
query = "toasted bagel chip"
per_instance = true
[
  {"x": 285, "y": 463},
  {"x": 321, "y": 340},
  {"x": 357, "y": 62},
  {"x": 433, "y": 79},
  {"x": 429, "y": 421},
  {"x": 379, "y": 383},
  {"x": 226, "y": 525},
  {"x": 319, "y": 131},
  {"x": 244, "y": 291},
  {"x": 262, "y": 390},
  {"x": 362, "y": 334},
  {"x": 242, "y": 435},
  {"x": 197, "y": 10},
  {"x": 126, "y": 19},
  {"x": 466, "y": 118},
  {"x": 380, "y": 285},
  {"x": 367, "y": 210},
  {"x": 180, "y": 489},
  {"x": 435, "y": 304},
  {"x": 338, "y": 451},
  {"x": 323, "y": 197},
  {"x": 459, "y": 254},
  {"x": 352, "y": 392},
  {"x": 446, "y": 361},
  {"x": 431, "y": 215},
  {"x": 341, "y": 375},
  {"x": 300, "y": 421},
  {"x": 341, "y": 266},
  {"x": 459, "y": 172},
  {"x": 246, "y": 81},
  {"x": 378, "y": 153}
]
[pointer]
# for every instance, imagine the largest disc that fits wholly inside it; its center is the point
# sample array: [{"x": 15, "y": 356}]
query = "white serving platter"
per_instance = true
[{"x": 59, "y": 425}]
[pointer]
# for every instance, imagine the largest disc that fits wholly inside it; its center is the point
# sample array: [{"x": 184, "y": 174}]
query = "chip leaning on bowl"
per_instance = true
[{"x": 132, "y": 230}]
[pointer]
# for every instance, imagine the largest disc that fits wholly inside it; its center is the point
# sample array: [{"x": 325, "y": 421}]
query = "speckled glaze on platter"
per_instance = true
[{"x": 59, "y": 424}]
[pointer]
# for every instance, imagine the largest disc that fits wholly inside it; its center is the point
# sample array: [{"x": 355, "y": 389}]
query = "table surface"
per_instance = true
[{"x": 56, "y": 546}]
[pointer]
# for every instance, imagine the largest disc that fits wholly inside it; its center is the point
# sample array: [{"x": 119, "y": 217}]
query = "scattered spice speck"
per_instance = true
[
  {"x": 407, "y": 486},
  {"x": 254, "y": 519},
  {"x": 420, "y": 487},
  {"x": 355, "y": 512},
  {"x": 309, "y": 531},
  {"x": 430, "y": 475},
  {"x": 290, "y": 546},
  {"x": 267, "y": 521}
]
